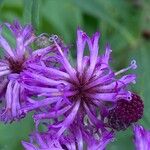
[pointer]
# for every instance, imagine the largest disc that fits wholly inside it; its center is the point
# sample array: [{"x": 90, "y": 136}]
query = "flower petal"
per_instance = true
[{"x": 141, "y": 138}]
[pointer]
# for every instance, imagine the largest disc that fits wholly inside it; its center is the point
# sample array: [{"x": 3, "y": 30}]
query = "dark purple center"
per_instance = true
[
  {"x": 81, "y": 92},
  {"x": 16, "y": 66},
  {"x": 125, "y": 113}
]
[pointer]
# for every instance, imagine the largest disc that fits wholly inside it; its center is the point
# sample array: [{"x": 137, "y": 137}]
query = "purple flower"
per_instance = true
[
  {"x": 141, "y": 138},
  {"x": 15, "y": 60},
  {"x": 79, "y": 94},
  {"x": 71, "y": 140}
]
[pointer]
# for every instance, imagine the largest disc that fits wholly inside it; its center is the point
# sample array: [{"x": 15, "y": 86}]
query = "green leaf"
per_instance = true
[
  {"x": 27, "y": 11},
  {"x": 141, "y": 54},
  {"x": 12, "y": 134},
  {"x": 97, "y": 9},
  {"x": 31, "y": 12},
  {"x": 1, "y": 1},
  {"x": 63, "y": 17},
  {"x": 123, "y": 141},
  {"x": 35, "y": 14},
  {"x": 142, "y": 86}
]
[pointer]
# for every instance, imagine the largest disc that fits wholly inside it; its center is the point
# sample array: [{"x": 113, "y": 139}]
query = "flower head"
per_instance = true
[
  {"x": 76, "y": 94},
  {"x": 125, "y": 113},
  {"x": 72, "y": 139},
  {"x": 14, "y": 62},
  {"x": 141, "y": 138}
]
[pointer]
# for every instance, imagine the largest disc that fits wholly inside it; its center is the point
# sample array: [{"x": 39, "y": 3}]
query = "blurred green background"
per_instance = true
[{"x": 125, "y": 24}]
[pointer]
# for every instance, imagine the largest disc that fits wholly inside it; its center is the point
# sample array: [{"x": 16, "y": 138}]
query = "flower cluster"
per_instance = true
[{"x": 80, "y": 104}]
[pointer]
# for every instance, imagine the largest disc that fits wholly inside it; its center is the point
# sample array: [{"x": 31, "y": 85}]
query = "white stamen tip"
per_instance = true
[
  {"x": 53, "y": 38},
  {"x": 43, "y": 34},
  {"x": 133, "y": 64},
  {"x": 129, "y": 97},
  {"x": 113, "y": 140},
  {"x": 134, "y": 82}
]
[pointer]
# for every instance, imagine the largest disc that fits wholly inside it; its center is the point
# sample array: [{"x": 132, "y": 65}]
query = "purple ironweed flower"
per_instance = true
[
  {"x": 15, "y": 61},
  {"x": 74, "y": 95},
  {"x": 125, "y": 113},
  {"x": 141, "y": 138},
  {"x": 70, "y": 140}
]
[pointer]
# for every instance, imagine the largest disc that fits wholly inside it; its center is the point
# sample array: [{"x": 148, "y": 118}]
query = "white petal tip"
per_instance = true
[{"x": 133, "y": 64}]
